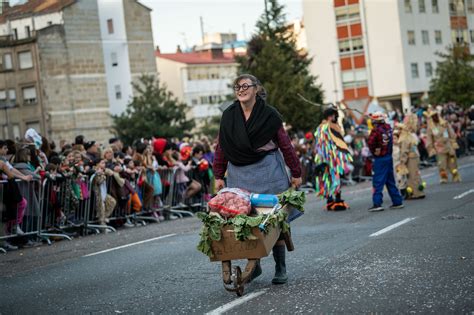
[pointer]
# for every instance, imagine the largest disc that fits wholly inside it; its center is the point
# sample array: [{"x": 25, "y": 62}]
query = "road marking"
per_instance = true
[
  {"x": 224, "y": 308},
  {"x": 464, "y": 194},
  {"x": 391, "y": 227},
  {"x": 128, "y": 245}
]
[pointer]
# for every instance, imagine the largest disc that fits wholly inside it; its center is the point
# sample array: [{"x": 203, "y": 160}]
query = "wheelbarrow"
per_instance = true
[{"x": 228, "y": 249}]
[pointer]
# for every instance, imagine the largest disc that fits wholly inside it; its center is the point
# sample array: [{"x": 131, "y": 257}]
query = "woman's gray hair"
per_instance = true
[{"x": 260, "y": 89}]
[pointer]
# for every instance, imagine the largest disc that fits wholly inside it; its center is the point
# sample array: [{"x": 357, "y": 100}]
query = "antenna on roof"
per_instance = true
[{"x": 202, "y": 29}]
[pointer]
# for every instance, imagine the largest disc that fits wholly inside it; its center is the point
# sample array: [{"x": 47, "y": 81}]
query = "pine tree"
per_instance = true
[
  {"x": 454, "y": 79},
  {"x": 284, "y": 71},
  {"x": 152, "y": 112}
]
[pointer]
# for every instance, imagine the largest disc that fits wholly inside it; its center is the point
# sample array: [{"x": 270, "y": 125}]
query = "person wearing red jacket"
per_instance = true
[{"x": 381, "y": 144}]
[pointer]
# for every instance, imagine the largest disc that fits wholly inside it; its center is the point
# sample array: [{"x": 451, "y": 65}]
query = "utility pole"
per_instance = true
[
  {"x": 202, "y": 29},
  {"x": 336, "y": 97}
]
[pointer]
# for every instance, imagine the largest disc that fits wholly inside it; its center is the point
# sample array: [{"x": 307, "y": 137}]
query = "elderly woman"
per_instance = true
[{"x": 252, "y": 145}]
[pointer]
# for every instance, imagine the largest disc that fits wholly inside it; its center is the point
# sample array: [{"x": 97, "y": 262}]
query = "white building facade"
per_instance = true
[
  {"x": 365, "y": 50},
  {"x": 201, "y": 79}
]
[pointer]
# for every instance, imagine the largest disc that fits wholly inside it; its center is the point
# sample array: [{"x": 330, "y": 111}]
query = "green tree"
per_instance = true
[
  {"x": 273, "y": 58},
  {"x": 152, "y": 112},
  {"x": 454, "y": 77},
  {"x": 211, "y": 127}
]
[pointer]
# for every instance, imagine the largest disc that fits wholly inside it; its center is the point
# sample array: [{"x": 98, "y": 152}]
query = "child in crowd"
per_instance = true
[{"x": 104, "y": 202}]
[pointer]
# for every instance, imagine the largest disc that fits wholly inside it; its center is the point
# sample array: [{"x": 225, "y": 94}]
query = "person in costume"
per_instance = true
[
  {"x": 332, "y": 159},
  {"x": 441, "y": 141},
  {"x": 381, "y": 146},
  {"x": 409, "y": 158},
  {"x": 254, "y": 147}
]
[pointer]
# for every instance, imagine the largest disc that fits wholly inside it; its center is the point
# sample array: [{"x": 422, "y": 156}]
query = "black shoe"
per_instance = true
[
  {"x": 280, "y": 265},
  {"x": 400, "y": 206},
  {"x": 375, "y": 208}
]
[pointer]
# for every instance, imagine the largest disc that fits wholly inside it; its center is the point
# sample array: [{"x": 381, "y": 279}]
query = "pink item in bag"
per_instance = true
[{"x": 231, "y": 202}]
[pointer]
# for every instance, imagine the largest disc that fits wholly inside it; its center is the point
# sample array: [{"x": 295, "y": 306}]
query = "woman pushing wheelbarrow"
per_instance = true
[{"x": 253, "y": 148}]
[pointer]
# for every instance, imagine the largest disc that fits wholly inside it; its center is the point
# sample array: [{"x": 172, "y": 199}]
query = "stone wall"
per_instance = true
[
  {"x": 73, "y": 75},
  {"x": 140, "y": 39}
]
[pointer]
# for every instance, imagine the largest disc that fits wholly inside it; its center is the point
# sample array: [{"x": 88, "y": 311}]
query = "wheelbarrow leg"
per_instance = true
[
  {"x": 226, "y": 267},
  {"x": 249, "y": 270}
]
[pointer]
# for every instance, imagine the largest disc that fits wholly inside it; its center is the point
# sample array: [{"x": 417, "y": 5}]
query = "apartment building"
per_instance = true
[
  {"x": 372, "y": 51},
  {"x": 67, "y": 65},
  {"x": 202, "y": 78}
]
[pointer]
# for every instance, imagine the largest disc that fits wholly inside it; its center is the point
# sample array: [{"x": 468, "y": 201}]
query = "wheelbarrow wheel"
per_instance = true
[{"x": 238, "y": 285}]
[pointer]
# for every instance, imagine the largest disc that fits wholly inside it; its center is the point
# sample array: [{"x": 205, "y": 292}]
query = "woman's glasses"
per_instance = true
[{"x": 244, "y": 87}]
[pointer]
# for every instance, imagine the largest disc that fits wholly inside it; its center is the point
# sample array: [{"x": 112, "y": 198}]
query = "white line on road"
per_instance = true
[
  {"x": 391, "y": 227},
  {"x": 224, "y": 308},
  {"x": 464, "y": 194},
  {"x": 128, "y": 245}
]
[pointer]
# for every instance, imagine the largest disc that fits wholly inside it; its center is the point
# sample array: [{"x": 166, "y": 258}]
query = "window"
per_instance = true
[
  {"x": 470, "y": 6},
  {"x": 408, "y": 8},
  {"x": 50, "y": 23},
  {"x": 354, "y": 78},
  {"x": 113, "y": 57},
  {"x": 118, "y": 92},
  {"x": 29, "y": 95},
  {"x": 110, "y": 26},
  {"x": 428, "y": 69},
  {"x": 344, "y": 46},
  {"x": 346, "y": 13},
  {"x": 204, "y": 99},
  {"x": 16, "y": 132},
  {"x": 194, "y": 101},
  {"x": 438, "y": 38},
  {"x": 421, "y": 6},
  {"x": 472, "y": 36},
  {"x": 24, "y": 59},
  {"x": 355, "y": 45},
  {"x": 459, "y": 36},
  {"x": 15, "y": 34},
  {"x": 456, "y": 7},
  {"x": 34, "y": 125},
  {"x": 7, "y": 62},
  {"x": 411, "y": 37},
  {"x": 414, "y": 71},
  {"x": 425, "y": 37},
  {"x": 3, "y": 95},
  {"x": 12, "y": 95},
  {"x": 27, "y": 31},
  {"x": 434, "y": 6}
]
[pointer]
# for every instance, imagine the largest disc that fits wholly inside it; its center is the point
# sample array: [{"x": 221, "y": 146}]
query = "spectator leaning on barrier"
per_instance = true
[{"x": 380, "y": 144}]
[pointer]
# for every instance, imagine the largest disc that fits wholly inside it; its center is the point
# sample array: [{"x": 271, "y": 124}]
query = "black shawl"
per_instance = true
[{"x": 240, "y": 139}]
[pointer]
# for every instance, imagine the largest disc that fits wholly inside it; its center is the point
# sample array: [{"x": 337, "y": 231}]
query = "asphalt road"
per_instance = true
[{"x": 344, "y": 262}]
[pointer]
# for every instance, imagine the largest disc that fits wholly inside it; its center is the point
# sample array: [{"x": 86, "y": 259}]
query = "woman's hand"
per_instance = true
[
  {"x": 296, "y": 182},
  {"x": 219, "y": 184}
]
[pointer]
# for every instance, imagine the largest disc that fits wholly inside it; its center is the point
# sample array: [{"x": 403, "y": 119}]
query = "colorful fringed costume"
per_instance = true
[{"x": 332, "y": 160}]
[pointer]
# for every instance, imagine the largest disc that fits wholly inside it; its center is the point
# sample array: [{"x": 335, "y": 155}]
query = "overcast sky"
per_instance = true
[{"x": 176, "y": 22}]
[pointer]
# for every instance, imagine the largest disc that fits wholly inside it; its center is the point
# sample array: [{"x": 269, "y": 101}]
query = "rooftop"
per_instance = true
[
  {"x": 196, "y": 58},
  {"x": 34, "y": 7}
]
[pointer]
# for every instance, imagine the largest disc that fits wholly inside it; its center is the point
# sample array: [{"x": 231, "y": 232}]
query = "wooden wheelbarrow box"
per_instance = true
[{"x": 228, "y": 248}]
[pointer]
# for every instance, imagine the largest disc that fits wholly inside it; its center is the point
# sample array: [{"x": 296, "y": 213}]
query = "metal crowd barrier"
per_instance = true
[
  {"x": 195, "y": 203},
  {"x": 21, "y": 211},
  {"x": 61, "y": 203}
]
